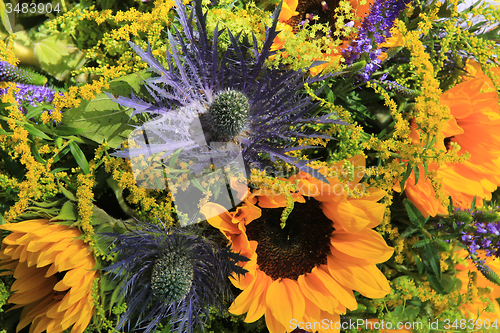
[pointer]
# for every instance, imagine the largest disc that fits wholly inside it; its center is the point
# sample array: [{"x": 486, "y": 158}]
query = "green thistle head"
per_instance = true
[
  {"x": 228, "y": 114},
  {"x": 172, "y": 276},
  {"x": 10, "y": 73}
]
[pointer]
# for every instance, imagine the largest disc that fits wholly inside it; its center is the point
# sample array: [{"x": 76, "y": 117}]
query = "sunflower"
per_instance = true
[
  {"x": 307, "y": 270},
  {"x": 53, "y": 272},
  {"x": 474, "y": 126}
]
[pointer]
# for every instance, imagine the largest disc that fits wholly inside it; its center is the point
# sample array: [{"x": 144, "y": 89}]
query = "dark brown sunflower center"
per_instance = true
[
  {"x": 314, "y": 11},
  {"x": 447, "y": 143},
  {"x": 295, "y": 249}
]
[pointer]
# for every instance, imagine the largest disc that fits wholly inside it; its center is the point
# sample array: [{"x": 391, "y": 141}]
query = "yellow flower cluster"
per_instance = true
[{"x": 153, "y": 204}]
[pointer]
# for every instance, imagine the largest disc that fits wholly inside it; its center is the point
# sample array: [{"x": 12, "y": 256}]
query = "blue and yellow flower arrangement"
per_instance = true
[{"x": 249, "y": 166}]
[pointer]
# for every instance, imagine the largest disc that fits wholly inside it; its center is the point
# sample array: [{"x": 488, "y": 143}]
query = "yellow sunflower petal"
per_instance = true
[
  {"x": 40, "y": 324},
  {"x": 349, "y": 217},
  {"x": 296, "y": 298},
  {"x": 273, "y": 325},
  {"x": 12, "y": 238},
  {"x": 84, "y": 318},
  {"x": 331, "y": 319},
  {"x": 366, "y": 244},
  {"x": 279, "y": 303},
  {"x": 258, "y": 306},
  {"x": 367, "y": 279},
  {"x": 316, "y": 291},
  {"x": 342, "y": 294},
  {"x": 242, "y": 303},
  {"x": 25, "y": 226}
]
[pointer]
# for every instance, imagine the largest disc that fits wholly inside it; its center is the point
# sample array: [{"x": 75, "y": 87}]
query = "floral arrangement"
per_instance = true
[{"x": 249, "y": 166}]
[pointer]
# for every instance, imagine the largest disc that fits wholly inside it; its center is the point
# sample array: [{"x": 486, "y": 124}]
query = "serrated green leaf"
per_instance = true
[
  {"x": 68, "y": 212},
  {"x": 409, "y": 231},
  {"x": 473, "y": 204},
  {"x": 417, "y": 173},
  {"x": 416, "y": 217},
  {"x": 122, "y": 85},
  {"x": 80, "y": 158},
  {"x": 421, "y": 243},
  {"x": 4, "y": 16},
  {"x": 58, "y": 55},
  {"x": 102, "y": 120},
  {"x": 433, "y": 280},
  {"x": 432, "y": 259}
]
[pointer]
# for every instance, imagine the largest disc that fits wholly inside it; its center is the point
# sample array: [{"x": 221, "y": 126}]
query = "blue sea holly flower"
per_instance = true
[
  {"x": 210, "y": 108},
  {"x": 170, "y": 274}
]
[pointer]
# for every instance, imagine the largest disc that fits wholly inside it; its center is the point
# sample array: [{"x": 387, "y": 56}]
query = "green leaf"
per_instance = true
[
  {"x": 434, "y": 281},
  {"x": 409, "y": 231},
  {"x": 36, "y": 154},
  {"x": 174, "y": 157},
  {"x": 102, "y": 120},
  {"x": 36, "y": 132},
  {"x": 66, "y": 192},
  {"x": 416, "y": 172},
  {"x": 122, "y": 85},
  {"x": 405, "y": 177},
  {"x": 34, "y": 111},
  {"x": 58, "y": 55},
  {"x": 432, "y": 259},
  {"x": 473, "y": 204},
  {"x": 68, "y": 212},
  {"x": 451, "y": 208},
  {"x": 421, "y": 243},
  {"x": 416, "y": 217},
  {"x": 197, "y": 184},
  {"x": 80, "y": 158},
  {"x": 4, "y": 17},
  {"x": 66, "y": 130},
  {"x": 418, "y": 262}
]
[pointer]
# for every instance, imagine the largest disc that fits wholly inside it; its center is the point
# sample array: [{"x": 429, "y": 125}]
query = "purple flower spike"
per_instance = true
[
  {"x": 374, "y": 30},
  {"x": 31, "y": 94}
]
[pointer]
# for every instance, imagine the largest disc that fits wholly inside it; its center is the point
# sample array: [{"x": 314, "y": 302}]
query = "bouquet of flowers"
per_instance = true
[{"x": 249, "y": 166}]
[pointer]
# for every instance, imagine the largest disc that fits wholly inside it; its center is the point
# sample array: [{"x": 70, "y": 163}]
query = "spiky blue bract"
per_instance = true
[
  {"x": 197, "y": 74},
  {"x": 171, "y": 274}
]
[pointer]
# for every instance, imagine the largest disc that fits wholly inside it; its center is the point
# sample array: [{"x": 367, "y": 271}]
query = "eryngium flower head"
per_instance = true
[
  {"x": 171, "y": 274},
  {"x": 206, "y": 97}
]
